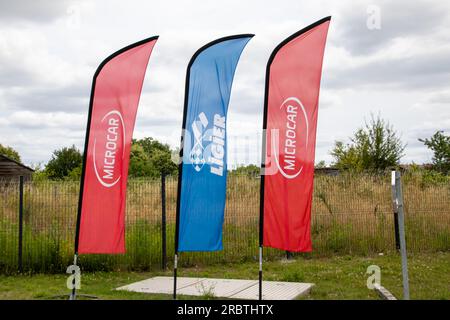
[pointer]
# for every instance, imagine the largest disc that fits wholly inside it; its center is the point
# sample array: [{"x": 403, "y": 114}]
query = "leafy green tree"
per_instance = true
[
  {"x": 140, "y": 165},
  {"x": 249, "y": 170},
  {"x": 321, "y": 164},
  {"x": 39, "y": 173},
  {"x": 150, "y": 144},
  {"x": 63, "y": 162},
  {"x": 150, "y": 158},
  {"x": 75, "y": 173},
  {"x": 439, "y": 143},
  {"x": 10, "y": 153},
  {"x": 374, "y": 147},
  {"x": 162, "y": 161}
]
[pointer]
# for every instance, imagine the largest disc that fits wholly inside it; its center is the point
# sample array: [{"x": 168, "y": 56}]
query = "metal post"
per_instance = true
[
  {"x": 163, "y": 221},
  {"x": 260, "y": 271},
  {"x": 395, "y": 209},
  {"x": 288, "y": 255},
  {"x": 175, "y": 266},
  {"x": 397, "y": 234},
  {"x": 73, "y": 294},
  {"x": 401, "y": 225},
  {"x": 20, "y": 223}
]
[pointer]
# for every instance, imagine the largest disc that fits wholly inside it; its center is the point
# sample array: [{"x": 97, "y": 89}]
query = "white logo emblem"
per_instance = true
[
  {"x": 209, "y": 144},
  {"x": 196, "y": 155},
  {"x": 296, "y": 135},
  {"x": 108, "y": 155}
]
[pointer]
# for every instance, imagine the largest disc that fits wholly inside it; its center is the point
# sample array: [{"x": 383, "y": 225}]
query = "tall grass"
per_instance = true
[{"x": 351, "y": 214}]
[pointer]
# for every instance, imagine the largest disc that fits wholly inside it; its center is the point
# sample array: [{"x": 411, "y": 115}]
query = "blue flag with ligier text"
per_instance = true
[{"x": 202, "y": 188}]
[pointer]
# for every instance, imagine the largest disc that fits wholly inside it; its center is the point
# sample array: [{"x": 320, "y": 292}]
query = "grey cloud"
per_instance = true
[
  {"x": 158, "y": 121},
  {"x": 422, "y": 133},
  {"x": 326, "y": 144},
  {"x": 74, "y": 98},
  {"x": 414, "y": 143},
  {"x": 416, "y": 149},
  {"x": 13, "y": 74},
  {"x": 20, "y": 121},
  {"x": 36, "y": 11},
  {"x": 247, "y": 102},
  {"x": 398, "y": 19},
  {"x": 424, "y": 71},
  {"x": 37, "y": 145},
  {"x": 440, "y": 98}
]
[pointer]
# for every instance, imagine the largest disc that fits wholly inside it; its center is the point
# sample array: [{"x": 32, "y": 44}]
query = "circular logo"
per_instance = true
[
  {"x": 109, "y": 148},
  {"x": 291, "y": 142}
]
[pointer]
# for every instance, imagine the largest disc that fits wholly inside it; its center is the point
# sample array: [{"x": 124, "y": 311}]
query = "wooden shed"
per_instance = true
[{"x": 11, "y": 169}]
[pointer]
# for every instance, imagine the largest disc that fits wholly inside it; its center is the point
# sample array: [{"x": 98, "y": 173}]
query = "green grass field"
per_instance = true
[{"x": 340, "y": 277}]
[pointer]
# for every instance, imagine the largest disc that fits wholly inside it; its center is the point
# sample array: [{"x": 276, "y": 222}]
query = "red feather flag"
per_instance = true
[
  {"x": 290, "y": 119},
  {"x": 115, "y": 94}
]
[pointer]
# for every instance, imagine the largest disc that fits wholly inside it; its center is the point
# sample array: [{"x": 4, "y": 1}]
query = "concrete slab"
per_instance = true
[
  {"x": 221, "y": 288},
  {"x": 383, "y": 292},
  {"x": 275, "y": 290},
  {"x": 217, "y": 287},
  {"x": 160, "y": 285}
]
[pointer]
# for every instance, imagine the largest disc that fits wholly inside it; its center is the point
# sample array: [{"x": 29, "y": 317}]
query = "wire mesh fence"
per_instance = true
[{"x": 351, "y": 214}]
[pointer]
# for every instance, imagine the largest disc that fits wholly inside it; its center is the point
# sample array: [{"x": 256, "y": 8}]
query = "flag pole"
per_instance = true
[
  {"x": 263, "y": 173},
  {"x": 73, "y": 294},
  {"x": 177, "y": 220},
  {"x": 83, "y": 174},
  {"x": 261, "y": 221},
  {"x": 180, "y": 175}
]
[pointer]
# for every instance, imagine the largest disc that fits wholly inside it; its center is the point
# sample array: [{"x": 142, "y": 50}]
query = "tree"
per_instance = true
[
  {"x": 140, "y": 165},
  {"x": 321, "y": 164},
  {"x": 150, "y": 158},
  {"x": 439, "y": 143},
  {"x": 249, "y": 170},
  {"x": 10, "y": 153},
  {"x": 376, "y": 146},
  {"x": 162, "y": 161},
  {"x": 39, "y": 173},
  {"x": 149, "y": 145},
  {"x": 65, "y": 162}
]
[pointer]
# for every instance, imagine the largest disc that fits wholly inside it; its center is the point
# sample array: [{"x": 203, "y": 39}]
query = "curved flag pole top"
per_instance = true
[{"x": 292, "y": 37}]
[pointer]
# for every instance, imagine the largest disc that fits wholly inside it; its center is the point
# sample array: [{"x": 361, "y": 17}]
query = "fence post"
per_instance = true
[
  {"x": 20, "y": 224},
  {"x": 401, "y": 225},
  {"x": 288, "y": 255},
  {"x": 163, "y": 221},
  {"x": 395, "y": 209}
]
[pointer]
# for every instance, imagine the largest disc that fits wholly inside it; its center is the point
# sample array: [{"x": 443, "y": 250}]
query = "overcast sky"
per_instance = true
[{"x": 382, "y": 57}]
